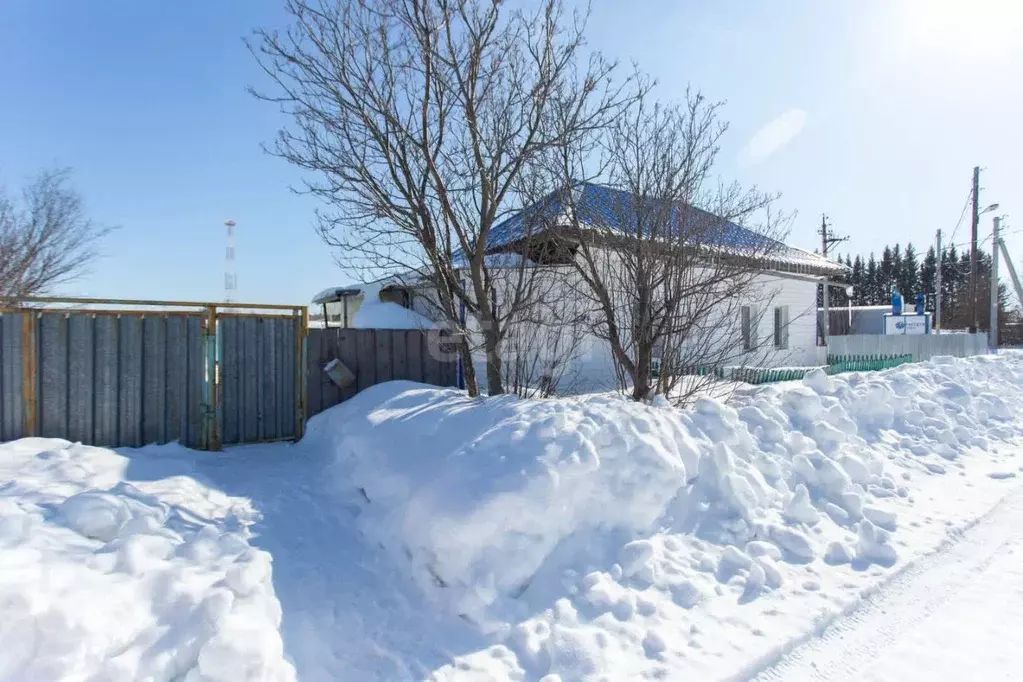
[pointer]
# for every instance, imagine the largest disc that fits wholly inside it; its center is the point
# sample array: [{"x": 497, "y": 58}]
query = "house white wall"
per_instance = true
[
  {"x": 596, "y": 367},
  {"x": 592, "y": 368},
  {"x": 800, "y": 297}
]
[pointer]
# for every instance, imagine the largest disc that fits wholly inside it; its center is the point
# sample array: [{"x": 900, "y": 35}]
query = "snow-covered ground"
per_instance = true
[
  {"x": 419, "y": 534},
  {"x": 102, "y": 579},
  {"x": 954, "y": 616}
]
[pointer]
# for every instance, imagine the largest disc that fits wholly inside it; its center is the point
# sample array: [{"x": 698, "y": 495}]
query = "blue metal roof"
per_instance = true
[{"x": 607, "y": 208}]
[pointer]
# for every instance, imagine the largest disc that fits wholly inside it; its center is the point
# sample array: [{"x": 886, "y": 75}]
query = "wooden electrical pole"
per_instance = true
[
  {"x": 993, "y": 328},
  {"x": 937, "y": 287},
  {"x": 826, "y": 242},
  {"x": 974, "y": 303},
  {"x": 827, "y": 239}
]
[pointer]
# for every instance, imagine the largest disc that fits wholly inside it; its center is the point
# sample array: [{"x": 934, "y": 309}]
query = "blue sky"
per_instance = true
[{"x": 872, "y": 111}]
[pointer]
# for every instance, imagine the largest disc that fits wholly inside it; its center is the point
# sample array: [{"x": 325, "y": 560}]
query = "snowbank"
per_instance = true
[
  {"x": 102, "y": 579},
  {"x": 417, "y": 534},
  {"x": 600, "y": 537},
  {"x": 480, "y": 494}
]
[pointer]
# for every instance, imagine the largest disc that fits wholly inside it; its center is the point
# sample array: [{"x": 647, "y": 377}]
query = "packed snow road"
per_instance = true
[{"x": 956, "y": 615}]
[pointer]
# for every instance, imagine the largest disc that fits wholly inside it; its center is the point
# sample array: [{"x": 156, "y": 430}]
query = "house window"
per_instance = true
[
  {"x": 398, "y": 295},
  {"x": 781, "y": 327},
  {"x": 749, "y": 337}
]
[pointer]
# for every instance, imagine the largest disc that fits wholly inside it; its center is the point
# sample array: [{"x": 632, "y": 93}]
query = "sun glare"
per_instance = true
[{"x": 971, "y": 29}]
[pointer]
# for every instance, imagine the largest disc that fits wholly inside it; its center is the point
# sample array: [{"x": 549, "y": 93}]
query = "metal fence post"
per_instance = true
[
  {"x": 210, "y": 384},
  {"x": 301, "y": 362},
  {"x": 29, "y": 373}
]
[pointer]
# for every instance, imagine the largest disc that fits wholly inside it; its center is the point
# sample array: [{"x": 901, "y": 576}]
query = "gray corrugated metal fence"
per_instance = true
[
  {"x": 12, "y": 405},
  {"x": 204, "y": 377},
  {"x": 921, "y": 346},
  {"x": 258, "y": 379},
  {"x": 126, "y": 378},
  {"x": 376, "y": 356},
  {"x": 102, "y": 379}
]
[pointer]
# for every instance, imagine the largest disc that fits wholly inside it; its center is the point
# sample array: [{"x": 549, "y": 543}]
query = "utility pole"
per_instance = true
[
  {"x": 937, "y": 293},
  {"x": 1012, "y": 271},
  {"x": 826, "y": 242},
  {"x": 974, "y": 303},
  {"x": 995, "y": 238}
]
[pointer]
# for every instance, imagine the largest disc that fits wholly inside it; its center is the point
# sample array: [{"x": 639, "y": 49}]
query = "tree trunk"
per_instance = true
[
  {"x": 487, "y": 313},
  {"x": 495, "y": 383},
  {"x": 641, "y": 388},
  {"x": 468, "y": 370}
]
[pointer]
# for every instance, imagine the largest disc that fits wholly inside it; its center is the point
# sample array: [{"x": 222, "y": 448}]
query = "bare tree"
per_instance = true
[
  {"x": 422, "y": 122},
  {"x": 669, "y": 280},
  {"x": 542, "y": 346},
  {"x": 46, "y": 240}
]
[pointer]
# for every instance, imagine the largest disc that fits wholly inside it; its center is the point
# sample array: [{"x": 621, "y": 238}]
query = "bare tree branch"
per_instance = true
[
  {"x": 421, "y": 123},
  {"x": 46, "y": 240},
  {"x": 668, "y": 279}
]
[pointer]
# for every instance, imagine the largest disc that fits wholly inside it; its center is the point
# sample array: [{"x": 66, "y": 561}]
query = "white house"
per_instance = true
[{"x": 778, "y": 324}]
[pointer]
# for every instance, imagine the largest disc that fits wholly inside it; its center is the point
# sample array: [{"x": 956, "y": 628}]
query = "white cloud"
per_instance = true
[{"x": 774, "y": 135}]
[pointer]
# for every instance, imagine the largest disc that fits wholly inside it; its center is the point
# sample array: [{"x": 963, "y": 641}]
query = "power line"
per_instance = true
[{"x": 966, "y": 205}]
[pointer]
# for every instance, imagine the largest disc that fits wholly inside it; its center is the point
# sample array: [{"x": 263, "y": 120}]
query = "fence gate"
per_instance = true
[
  {"x": 152, "y": 372},
  {"x": 261, "y": 380}
]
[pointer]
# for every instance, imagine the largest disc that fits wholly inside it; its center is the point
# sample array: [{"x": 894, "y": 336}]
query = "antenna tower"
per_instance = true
[{"x": 230, "y": 278}]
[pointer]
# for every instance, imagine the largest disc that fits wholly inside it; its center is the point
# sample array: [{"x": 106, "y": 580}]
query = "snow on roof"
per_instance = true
[
  {"x": 412, "y": 279},
  {"x": 386, "y": 315},
  {"x": 605, "y": 206},
  {"x": 496, "y": 260},
  {"x": 336, "y": 294}
]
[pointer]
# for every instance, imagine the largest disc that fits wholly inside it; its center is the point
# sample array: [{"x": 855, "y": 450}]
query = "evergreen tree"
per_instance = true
[
  {"x": 962, "y": 275},
  {"x": 949, "y": 261},
  {"x": 897, "y": 268},
  {"x": 871, "y": 282},
  {"x": 959, "y": 313},
  {"x": 858, "y": 282},
  {"x": 928, "y": 275},
  {"x": 844, "y": 297},
  {"x": 874, "y": 279},
  {"x": 908, "y": 280},
  {"x": 838, "y": 297},
  {"x": 885, "y": 275}
]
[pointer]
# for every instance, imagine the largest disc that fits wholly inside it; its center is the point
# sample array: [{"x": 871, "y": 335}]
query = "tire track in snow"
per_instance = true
[{"x": 842, "y": 645}]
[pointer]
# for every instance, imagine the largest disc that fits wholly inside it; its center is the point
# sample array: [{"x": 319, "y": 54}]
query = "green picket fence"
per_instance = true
[
  {"x": 757, "y": 375},
  {"x": 836, "y": 365},
  {"x": 865, "y": 363},
  {"x": 707, "y": 371}
]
